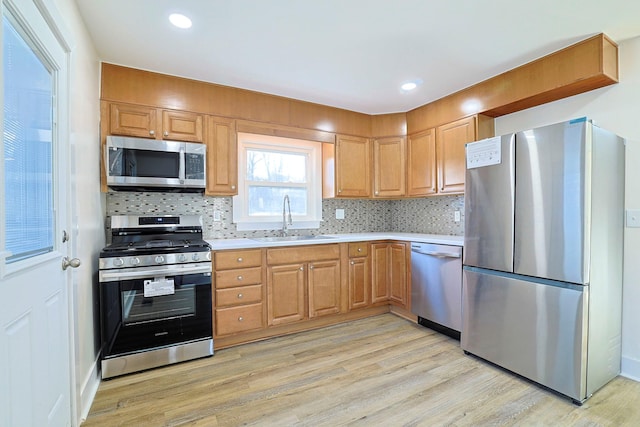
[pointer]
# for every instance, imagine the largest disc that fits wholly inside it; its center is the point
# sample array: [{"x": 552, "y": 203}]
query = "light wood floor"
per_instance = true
[{"x": 382, "y": 370}]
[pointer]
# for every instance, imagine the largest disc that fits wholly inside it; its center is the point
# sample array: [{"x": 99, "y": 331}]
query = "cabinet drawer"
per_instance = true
[
  {"x": 238, "y": 259},
  {"x": 303, "y": 254},
  {"x": 239, "y": 277},
  {"x": 358, "y": 249},
  {"x": 238, "y": 319},
  {"x": 240, "y": 295}
]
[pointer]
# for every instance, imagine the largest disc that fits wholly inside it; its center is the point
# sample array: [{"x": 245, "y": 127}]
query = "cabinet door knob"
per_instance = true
[
  {"x": 301, "y": 268},
  {"x": 233, "y": 187},
  {"x": 240, "y": 319},
  {"x": 359, "y": 249},
  {"x": 152, "y": 132},
  {"x": 377, "y": 193},
  {"x": 240, "y": 259},
  {"x": 311, "y": 267},
  {"x": 240, "y": 296},
  {"x": 166, "y": 133},
  {"x": 240, "y": 278},
  {"x": 353, "y": 263}
]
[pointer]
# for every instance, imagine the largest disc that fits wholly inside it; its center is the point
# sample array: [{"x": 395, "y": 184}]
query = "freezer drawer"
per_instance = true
[{"x": 534, "y": 329}]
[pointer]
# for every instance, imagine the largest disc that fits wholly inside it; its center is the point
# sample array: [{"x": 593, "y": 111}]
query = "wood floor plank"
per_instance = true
[{"x": 382, "y": 370}]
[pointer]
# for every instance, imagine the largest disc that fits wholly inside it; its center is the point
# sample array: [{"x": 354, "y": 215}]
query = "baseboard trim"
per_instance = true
[
  {"x": 630, "y": 368},
  {"x": 89, "y": 389}
]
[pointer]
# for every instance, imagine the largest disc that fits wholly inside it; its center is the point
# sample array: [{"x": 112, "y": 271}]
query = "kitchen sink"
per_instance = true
[{"x": 290, "y": 238}]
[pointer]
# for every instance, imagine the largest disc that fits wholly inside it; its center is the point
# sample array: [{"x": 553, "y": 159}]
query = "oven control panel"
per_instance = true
[{"x": 154, "y": 259}]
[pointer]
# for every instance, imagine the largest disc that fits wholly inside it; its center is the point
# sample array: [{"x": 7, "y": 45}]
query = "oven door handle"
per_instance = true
[{"x": 137, "y": 273}]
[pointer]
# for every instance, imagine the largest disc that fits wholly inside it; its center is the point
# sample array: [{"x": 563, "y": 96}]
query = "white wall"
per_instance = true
[
  {"x": 615, "y": 108},
  {"x": 88, "y": 204}
]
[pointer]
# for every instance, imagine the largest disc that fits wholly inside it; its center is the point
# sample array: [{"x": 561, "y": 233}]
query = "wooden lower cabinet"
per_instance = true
[
  {"x": 359, "y": 276},
  {"x": 380, "y": 272},
  {"x": 359, "y": 283},
  {"x": 324, "y": 288},
  {"x": 285, "y": 293},
  {"x": 261, "y": 293},
  {"x": 390, "y": 266},
  {"x": 398, "y": 280},
  {"x": 242, "y": 318},
  {"x": 239, "y": 300},
  {"x": 303, "y": 290}
]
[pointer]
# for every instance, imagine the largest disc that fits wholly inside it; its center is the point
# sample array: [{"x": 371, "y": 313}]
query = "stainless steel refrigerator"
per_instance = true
[{"x": 542, "y": 274}]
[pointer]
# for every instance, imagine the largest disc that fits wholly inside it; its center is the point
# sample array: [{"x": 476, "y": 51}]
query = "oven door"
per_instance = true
[{"x": 144, "y": 313}]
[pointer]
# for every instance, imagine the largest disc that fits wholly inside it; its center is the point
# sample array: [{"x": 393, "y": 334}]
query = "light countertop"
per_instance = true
[{"x": 222, "y": 244}]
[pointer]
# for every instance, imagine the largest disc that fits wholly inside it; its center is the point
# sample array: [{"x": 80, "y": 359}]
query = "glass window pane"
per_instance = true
[
  {"x": 27, "y": 140},
  {"x": 268, "y": 201},
  {"x": 273, "y": 166}
]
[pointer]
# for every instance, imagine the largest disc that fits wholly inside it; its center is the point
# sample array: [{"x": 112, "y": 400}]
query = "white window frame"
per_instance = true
[{"x": 313, "y": 151}]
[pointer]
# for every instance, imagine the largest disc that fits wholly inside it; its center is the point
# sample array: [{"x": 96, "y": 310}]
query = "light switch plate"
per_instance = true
[
  {"x": 456, "y": 216},
  {"x": 633, "y": 217},
  {"x": 339, "y": 213},
  {"x": 217, "y": 215}
]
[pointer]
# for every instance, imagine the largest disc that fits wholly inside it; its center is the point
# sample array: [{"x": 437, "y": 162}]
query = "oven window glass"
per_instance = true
[
  {"x": 144, "y": 163},
  {"x": 136, "y": 308}
]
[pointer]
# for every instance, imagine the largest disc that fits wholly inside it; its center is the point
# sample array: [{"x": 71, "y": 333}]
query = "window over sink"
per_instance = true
[{"x": 270, "y": 168}]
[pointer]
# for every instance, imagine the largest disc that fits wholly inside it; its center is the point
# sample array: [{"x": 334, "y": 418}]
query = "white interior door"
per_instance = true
[{"x": 35, "y": 364}]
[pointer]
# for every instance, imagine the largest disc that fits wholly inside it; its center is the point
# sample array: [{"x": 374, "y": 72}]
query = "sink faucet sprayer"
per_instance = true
[{"x": 286, "y": 221}]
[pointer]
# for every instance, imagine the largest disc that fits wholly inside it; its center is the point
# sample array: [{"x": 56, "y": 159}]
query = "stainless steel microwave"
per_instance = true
[{"x": 150, "y": 164}]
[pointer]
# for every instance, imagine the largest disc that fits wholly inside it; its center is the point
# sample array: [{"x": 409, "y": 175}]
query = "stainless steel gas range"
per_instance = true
[{"x": 155, "y": 293}]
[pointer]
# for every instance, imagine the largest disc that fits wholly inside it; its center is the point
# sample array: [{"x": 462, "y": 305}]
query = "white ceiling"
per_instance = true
[{"x": 351, "y": 54}]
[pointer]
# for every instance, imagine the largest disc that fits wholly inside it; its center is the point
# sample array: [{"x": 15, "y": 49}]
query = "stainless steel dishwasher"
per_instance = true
[{"x": 436, "y": 286}]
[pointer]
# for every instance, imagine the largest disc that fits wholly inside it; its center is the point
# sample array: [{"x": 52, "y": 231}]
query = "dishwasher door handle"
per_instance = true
[{"x": 439, "y": 254}]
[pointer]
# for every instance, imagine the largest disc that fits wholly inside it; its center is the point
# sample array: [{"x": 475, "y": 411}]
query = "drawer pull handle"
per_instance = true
[
  {"x": 240, "y": 319},
  {"x": 359, "y": 249},
  {"x": 240, "y": 296},
  {"x": 240, "y": 259},
  {"x": 240, "y": 277}
]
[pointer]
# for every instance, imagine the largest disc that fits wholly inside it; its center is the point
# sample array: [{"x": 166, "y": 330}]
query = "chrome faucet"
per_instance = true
[{"x": 286, "y": 221}]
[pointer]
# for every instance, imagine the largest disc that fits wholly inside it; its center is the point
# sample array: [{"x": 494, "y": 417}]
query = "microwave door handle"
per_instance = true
[{"x": 181, "y": 172}]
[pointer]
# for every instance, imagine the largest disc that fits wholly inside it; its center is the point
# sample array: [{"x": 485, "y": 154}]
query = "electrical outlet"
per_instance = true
[
  {"x": 456, "y": 216},
  {"x": 217, "y": 215},
  {"x": 339, "y": 213}
]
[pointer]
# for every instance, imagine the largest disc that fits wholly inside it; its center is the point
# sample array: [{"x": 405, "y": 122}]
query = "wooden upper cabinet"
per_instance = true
[
  {"x": 421, "y": 164},
  {"x": 450, "y": 145},
  {"x": 222, "y": 157},
  {"x": 149, "y": 122},
  {"x": 133, "y": 120},
  {"x": 182, "y": 126},
  {"x": 389, "y": 167},
  {"x": 353, "y": 166}
]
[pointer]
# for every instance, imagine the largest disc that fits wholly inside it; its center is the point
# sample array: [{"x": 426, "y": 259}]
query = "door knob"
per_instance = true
[{"x": 73, "y": 263}]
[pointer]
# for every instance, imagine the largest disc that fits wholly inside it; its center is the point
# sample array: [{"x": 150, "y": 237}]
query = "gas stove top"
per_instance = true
[{"x": 139, "y": 241}]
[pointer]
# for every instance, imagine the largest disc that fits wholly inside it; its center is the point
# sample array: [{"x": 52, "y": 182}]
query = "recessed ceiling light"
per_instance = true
[
  {"x": 409, "y": 86},
  {"x": 179, "y": 20}
]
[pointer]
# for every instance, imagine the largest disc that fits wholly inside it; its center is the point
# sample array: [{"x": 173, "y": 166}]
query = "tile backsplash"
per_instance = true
[{"x": 426, "y": 215}]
